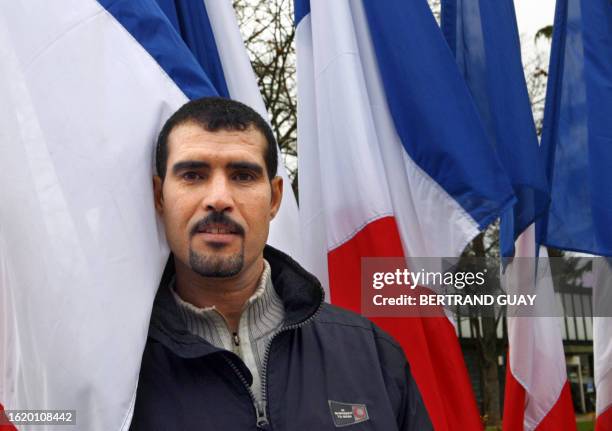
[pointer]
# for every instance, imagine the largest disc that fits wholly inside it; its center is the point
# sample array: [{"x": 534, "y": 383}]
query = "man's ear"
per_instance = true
[
  {"x": 158, "y": 185},
  {"x": 277, "y": 195}
]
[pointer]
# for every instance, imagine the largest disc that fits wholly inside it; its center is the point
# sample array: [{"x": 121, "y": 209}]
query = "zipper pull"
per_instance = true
[
  {"x": 236, "y": 339},
  {"x": 262, "y": 418}
]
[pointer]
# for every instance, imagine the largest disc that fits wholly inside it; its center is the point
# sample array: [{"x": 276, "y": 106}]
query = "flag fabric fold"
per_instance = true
[
  {"x": 484, "y": 38},
  {"x": 86, "y": 86},
  {"x": 393, "y": 162},
  {"x": 537, "y": 392},
  {"x": 577, "y": 150},
  {"x": 577, "y": 132}
]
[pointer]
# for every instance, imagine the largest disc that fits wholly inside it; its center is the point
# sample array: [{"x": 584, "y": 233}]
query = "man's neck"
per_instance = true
[{"x": 227, "y": 295}]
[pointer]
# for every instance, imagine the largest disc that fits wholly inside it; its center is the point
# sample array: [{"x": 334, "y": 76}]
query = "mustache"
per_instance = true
[{"x": 217, "y": 218}]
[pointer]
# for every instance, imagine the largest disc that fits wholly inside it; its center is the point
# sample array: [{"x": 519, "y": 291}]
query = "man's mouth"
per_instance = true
[
  {"x": 218, "y": 234},
  {"x": 218, "y": 229}
]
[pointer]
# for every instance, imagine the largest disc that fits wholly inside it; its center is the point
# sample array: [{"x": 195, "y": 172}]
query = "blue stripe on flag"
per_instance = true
[
  {"x": 432, "y": 109},
  {"x": 302, "y": 8},
  {"x": 190, "y": 19},
  {"x": 146, "y": 22},
  {"x": 484, "y": 38},
  {"x": 577, "y": 135}
]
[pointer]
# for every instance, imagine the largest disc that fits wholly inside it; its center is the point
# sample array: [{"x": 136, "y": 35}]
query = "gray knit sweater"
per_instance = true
[{"x": 262, "y": 315}]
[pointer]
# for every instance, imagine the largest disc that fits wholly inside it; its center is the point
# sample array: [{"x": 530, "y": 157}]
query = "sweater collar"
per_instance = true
[{"x": 262, "y": 294}]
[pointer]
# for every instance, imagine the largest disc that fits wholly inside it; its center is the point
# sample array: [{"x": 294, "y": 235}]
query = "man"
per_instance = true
[{"x": 240, "y": 337}]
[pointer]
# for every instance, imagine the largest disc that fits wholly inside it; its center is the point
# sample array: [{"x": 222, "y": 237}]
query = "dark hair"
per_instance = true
[{"x": 217, "y": 113}]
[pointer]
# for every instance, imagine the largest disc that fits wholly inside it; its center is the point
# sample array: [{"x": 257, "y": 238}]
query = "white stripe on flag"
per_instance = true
[
  {"x": 602, "y": 336},
  {"x": 83, "y": 252},
  {"x": 312, "y": 212},
  {"x": 537, "y": 359}
]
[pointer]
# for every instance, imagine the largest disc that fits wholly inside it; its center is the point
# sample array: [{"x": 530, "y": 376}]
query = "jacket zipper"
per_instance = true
[
  {"x": 264, "y": 366},
  {"x": 261, "y": 407}
]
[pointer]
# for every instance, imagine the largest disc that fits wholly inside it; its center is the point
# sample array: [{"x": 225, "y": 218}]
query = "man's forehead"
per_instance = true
[{"x": 192, "y": 137}]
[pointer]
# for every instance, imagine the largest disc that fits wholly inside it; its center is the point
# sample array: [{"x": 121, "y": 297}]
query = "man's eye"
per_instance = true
[
  {"x": 191, "y": 176},
  {"x": 244, "y": 177}
]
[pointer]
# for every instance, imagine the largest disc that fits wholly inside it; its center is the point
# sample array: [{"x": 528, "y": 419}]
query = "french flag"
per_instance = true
[
  {"x": 537, "y": 393},
  {"x": 394, "y": 161},
  {"x": 85, "y": 87},
  {"x": 484, "y": 37},
  {"x": 577, "y": 139}
]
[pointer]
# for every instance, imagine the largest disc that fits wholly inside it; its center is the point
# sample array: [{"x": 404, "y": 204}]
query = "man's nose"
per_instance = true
[{"x": 218, "y": 195}]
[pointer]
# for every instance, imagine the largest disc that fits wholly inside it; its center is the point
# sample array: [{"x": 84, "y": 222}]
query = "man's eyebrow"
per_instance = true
[
  {"x": 188, "y": 164},
  {"x": 247, "y": 166}
]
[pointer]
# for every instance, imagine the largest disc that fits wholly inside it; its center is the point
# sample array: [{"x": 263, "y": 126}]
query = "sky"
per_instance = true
[{"x": 532, "y": 15}]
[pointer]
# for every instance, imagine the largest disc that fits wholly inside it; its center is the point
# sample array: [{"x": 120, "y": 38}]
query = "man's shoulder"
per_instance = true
[{"x": 333, "y": 315}]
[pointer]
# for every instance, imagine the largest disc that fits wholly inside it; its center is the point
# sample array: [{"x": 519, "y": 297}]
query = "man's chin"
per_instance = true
[
  {"x": 216, "y": 265},
  {"x": 218, "y": 246}
]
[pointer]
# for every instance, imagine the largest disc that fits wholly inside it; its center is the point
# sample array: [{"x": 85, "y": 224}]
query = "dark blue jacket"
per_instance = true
[{"x": 327, "y": 368}]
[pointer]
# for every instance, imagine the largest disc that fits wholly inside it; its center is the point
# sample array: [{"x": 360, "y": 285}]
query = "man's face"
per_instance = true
[{"x": 216, "y": 200}]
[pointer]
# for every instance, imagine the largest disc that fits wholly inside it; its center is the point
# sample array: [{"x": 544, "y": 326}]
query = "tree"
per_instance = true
[
  {"x": 269, "y": 34},
  {"x": 483, "y": 251},
  {"x": 536, "y": 73},
  {"x": 436, "y": 7}
]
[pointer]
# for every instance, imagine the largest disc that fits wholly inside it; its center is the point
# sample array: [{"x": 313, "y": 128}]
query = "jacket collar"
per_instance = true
[{"x": 300, "y": 292}]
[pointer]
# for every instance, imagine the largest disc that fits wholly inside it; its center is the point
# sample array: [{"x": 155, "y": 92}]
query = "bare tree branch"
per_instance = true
[{"x": 269, "y": 34}]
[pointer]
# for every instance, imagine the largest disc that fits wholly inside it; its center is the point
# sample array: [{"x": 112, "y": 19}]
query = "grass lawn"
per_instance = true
[{"x": 586, "y": 426}]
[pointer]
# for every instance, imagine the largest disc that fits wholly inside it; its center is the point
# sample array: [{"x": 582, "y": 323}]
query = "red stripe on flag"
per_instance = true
[
  {"x": 5, "y": 425},
  {"x": 604, "y": 420},
  {"x": 430, "y": 344},
  {"x": 560, "y": 418},
  {"x": 514, "y": 403}
]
